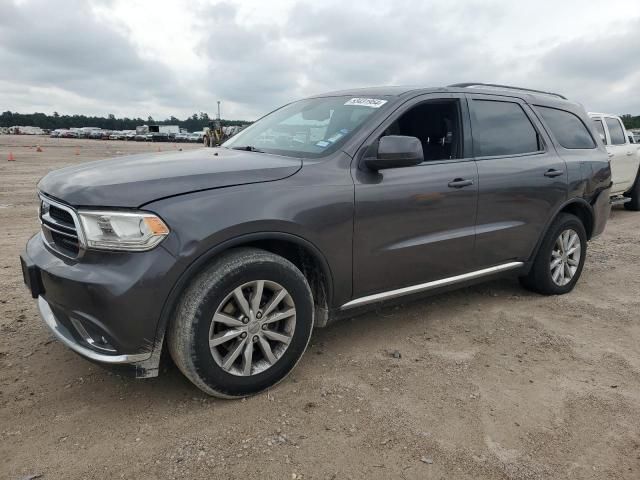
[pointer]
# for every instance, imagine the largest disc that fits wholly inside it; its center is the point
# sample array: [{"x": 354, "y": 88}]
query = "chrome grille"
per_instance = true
[{"x": 60, "y": 227}]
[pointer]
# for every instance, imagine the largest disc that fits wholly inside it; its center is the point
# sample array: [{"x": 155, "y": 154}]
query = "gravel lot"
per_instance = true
[{"x": 491, "y": 381}]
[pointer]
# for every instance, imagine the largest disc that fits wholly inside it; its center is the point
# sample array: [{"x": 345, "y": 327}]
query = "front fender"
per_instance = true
[{"x": 203, "y": 224}]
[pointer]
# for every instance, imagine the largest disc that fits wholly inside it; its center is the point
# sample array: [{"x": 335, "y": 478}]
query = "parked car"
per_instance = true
[
  {"x": 181, "y": 137},
  {"x": 196, "y": 137},
  {"x": 96, "y": 134},
  {"x": 624, "y": 156},
  {"x": 130, "y": 135},
  {"x": 230, "y": 256},
  {"x": 68, "y": 134},
  {"x": 159, "y": 136}
]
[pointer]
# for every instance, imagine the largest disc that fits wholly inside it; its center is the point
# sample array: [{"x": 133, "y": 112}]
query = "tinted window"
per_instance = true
[
  {"x": 568, "y": 129},
  {"x": 502, "y": 128},
  {"x": 600, "y": 129},
  {"x": 615, "y": 131}
]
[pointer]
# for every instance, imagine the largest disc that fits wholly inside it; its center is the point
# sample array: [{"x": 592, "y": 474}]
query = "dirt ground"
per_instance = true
[{"x": 492, "y": 381}]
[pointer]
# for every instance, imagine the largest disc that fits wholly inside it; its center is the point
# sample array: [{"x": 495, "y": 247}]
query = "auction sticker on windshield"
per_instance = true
[{"x": 366, "y": 102}]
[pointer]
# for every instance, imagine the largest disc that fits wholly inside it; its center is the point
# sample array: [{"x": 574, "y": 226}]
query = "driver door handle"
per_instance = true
[
  {"x": 460, "y": 183},
  {"x": 552, "y": 172}
]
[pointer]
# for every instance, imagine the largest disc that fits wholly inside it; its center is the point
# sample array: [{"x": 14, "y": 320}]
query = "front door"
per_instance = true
[{"x": 417, "y": 224}]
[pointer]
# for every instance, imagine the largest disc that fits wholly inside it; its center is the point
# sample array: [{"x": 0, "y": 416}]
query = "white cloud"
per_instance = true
[{"x": 139, "y": 58}]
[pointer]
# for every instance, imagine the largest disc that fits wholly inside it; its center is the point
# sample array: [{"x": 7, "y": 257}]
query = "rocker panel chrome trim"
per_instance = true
[{"x": 423, "y": 287}]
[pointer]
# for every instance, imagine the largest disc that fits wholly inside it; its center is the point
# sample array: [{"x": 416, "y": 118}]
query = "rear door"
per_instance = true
[
  {"x": 521, "y": 178},
  {"x": 624, "y": 163}
]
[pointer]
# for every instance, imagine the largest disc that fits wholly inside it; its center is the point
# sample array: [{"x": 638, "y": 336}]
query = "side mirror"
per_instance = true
[{"x": 395, "y": 151}]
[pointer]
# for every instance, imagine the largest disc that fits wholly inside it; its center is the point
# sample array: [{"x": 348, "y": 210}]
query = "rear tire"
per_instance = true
[
  {"x": 559, "y": 262},
  {"x": 634, "y": 194},
  {"x": 230, "y": 347}
]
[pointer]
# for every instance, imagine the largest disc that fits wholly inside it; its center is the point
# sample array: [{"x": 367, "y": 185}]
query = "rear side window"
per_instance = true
[
  {"x": 502, "y": 128},
  {"x": 600, "y": 129},
  {"x": 615, "y": 131},
  {"x": 568, "y": 129}
]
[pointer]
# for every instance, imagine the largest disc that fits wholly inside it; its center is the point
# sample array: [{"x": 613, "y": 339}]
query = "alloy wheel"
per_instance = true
[
  {"x": 565, "y": 257},
  {"x": 252, "y": 327}
]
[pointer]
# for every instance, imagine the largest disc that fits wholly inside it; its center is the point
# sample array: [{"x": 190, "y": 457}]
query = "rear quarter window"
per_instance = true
[{"x": 567, "y": 128}]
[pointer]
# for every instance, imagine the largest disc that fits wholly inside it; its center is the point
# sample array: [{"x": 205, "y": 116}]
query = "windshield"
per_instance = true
[{"x": 308, "y": 128}]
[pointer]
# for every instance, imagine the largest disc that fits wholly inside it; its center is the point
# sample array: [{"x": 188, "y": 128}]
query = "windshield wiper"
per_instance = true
[{"x": 248, "y": 148}]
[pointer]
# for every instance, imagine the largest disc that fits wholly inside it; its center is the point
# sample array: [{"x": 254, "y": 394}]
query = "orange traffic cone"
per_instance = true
[
  {"x": 38, "y": 149},
  {"x": 159, "y": 149},
  {"x": 11, "y": 157},
  {"x": 77, "y": 151}
]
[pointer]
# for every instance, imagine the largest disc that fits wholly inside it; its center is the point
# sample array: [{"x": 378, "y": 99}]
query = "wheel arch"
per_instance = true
[
  {"x": 583, "y": 210},
  {"x": 575, "y": 206},
  {"x": 299, "y": 251}
]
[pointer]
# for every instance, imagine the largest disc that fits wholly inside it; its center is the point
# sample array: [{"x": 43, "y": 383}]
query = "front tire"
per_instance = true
[
  {"x": 243, "y": 324},
  {"x": 559, "y": 262}
]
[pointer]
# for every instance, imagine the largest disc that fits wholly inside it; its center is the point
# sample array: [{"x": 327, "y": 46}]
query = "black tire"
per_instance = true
[
  {"x": 634, "y": 194},
  {"x": 540, "y": 278},
  {"x": 188, "y": 334}
]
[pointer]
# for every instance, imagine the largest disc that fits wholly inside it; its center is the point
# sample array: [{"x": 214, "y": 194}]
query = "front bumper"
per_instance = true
[
  {"x": 105, "y": 307},
  {"x": 64, "y": 335}
]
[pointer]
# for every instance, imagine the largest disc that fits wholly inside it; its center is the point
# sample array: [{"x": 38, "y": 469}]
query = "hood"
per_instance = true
[{"x": 132, "y": 181}]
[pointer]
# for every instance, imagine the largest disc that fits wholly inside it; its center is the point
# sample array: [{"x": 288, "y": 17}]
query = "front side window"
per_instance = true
[
  {"x": 436, "y": 124},
  {"x": 568, "y": 129},
  {"x": 502, "y": 128},
  {"x": 600, "y": 129},
  {"x": 616, "y": 132},
  {"x": 308, "y": 128}
]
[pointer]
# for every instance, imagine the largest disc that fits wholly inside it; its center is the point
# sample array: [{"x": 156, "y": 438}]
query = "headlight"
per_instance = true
[{"x": 129, "y": 231}]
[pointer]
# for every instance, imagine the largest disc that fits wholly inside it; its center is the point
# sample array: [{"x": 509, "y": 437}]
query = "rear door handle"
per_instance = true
[
  {"x": 552, "y": 172},
  {"x": 610, "y": 155},
  {"x": 460, "y": 183},
  {"x": 629, "y": 154}
]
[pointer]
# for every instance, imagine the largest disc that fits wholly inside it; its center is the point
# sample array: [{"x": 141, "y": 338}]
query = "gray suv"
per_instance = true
[{"x": 229, "y": 257}]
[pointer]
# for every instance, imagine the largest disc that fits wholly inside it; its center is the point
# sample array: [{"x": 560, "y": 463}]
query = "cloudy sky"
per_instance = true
[{"x": 161, "y": 58}]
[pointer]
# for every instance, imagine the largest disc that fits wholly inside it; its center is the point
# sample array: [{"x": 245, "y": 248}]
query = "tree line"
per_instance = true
[
  {"x": 630, "y": 121},
  {"x": 194, "y": 123}
]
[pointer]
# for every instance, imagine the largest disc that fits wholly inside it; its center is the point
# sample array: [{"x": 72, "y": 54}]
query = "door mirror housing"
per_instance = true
[{"x": 395, "y": 151}]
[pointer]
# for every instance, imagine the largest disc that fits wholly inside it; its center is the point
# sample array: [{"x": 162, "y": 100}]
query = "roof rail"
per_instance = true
[{"x": 495, "y": 85}]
